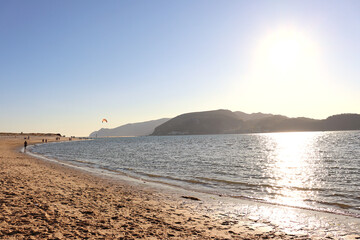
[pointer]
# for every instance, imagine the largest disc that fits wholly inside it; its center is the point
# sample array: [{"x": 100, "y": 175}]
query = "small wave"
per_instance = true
[
  {"x": 83, "y": 162},
  {"x": 234, "y": 183},
  {"x": 305, "y": 188},
  {"x": 151, "y": 175},
  {"x": 339, "y": 195},
  {"x": 343, "y": 212},
  {"x": 259, "y": 184},
  {"x": 340, "y": 205}
]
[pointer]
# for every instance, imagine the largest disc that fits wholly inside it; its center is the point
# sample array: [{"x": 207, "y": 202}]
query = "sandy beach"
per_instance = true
[{"x": 47, "y": 200}]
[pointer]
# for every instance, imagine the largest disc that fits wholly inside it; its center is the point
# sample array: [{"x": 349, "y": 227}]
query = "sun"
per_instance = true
[
  {"x": 286, "y": 51},
  {"x": 286, "y": 69}
]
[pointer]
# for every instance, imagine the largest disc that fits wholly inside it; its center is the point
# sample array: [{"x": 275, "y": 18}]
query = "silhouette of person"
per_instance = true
[{"x": 25, "y": 145}]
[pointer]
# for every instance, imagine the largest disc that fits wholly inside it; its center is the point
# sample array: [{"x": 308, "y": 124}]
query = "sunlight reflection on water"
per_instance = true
[{"x": 290, "y": 166}]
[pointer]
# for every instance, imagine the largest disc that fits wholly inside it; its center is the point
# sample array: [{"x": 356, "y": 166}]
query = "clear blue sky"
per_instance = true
[{"x": 65, "y": 65}]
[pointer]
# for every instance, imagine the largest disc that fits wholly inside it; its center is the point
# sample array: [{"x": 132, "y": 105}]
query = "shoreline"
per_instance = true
[
  {"x": 72, "y": 203},
  {"x": 161, "y": 184},
  {"x": 178, "y": 183},
  {"x": 222, "y": 205}
]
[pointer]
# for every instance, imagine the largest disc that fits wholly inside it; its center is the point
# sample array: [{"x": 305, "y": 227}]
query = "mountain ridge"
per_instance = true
[{"x": 228, "y": 122}]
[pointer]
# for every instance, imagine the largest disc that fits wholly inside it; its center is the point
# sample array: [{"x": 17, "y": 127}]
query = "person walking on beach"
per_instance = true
[{"x": 25, "y": 145}]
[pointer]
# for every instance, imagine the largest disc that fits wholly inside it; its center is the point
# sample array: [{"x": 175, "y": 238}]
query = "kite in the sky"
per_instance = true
[{"x": 104, "y": 120}]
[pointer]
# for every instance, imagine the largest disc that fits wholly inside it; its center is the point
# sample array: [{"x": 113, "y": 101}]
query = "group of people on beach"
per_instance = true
[{"x": 42, "y": 140}]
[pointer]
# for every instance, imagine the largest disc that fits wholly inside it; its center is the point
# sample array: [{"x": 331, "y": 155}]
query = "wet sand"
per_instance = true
[{"x": 47, "y": 200}]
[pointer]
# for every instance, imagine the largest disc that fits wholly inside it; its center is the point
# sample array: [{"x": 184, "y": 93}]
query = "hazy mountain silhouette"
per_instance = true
[
  {"x": 342, "y": 122},
  {"x": 225, "y": 121},
  {"x": 131, "y": 129},
  {"x": 210, "y": 122}
]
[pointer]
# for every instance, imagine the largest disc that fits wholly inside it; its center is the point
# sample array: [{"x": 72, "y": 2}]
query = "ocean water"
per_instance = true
[{"x": 311, "y": 170}]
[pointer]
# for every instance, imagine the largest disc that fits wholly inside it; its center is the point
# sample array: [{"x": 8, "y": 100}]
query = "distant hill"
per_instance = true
[
  {"x": 210, "y": 122},
  {"x": 342, "y": 122},
  {"x": 225, "y": 121},
  {"x": 131, "y": 129}
]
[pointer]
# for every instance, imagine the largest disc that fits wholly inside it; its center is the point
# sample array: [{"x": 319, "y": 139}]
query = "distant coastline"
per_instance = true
[{"x": 228, "y": 122}]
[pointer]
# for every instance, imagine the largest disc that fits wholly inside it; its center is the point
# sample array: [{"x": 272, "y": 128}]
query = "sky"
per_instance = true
[{"x": 66, "y": 65}]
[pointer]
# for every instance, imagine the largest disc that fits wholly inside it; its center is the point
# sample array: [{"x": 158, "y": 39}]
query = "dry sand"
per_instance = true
[{"x": 46, "y": 200}]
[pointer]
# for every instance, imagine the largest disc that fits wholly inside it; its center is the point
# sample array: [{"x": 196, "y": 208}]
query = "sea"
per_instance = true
[{"x": 308, "y": 170}]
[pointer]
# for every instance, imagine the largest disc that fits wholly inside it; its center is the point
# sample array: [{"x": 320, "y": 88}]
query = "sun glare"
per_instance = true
[
  {"x": 284, "y": 52},
  {"x": 287, "y": 51},
  {"x": 285, "y": 64}
]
